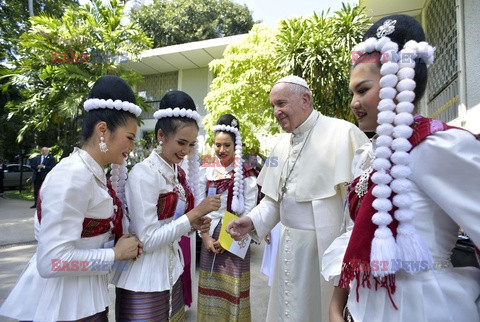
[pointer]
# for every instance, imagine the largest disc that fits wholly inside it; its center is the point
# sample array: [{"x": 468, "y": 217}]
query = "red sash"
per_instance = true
[
  {"x": 356, "y": 263},
  {"x": 227, "y": 184},
  {"x": 167, "y": 202},
  {"x": 166, "y": 205},
  {"x": 94, "y": 226}
]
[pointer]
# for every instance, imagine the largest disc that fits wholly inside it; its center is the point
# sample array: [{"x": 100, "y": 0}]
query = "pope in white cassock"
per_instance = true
[{"x": 305, "y": 191}]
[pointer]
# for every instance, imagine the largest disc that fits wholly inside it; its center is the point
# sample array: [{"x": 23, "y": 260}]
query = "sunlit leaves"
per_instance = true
[
  {"x": 171, "y": 22},
  {"x": 244, "y": 77},
  {"x": 56, "y": 67},
  {"x": 318, "y": 48}
]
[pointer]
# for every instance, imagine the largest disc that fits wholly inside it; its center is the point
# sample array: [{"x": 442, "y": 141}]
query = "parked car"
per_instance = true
[{"x": 11, "y": 175}]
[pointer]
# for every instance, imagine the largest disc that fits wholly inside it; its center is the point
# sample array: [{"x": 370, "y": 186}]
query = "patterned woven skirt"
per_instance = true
[
  {"x": 223, "y": 295},
  {"x": 149, "y": 306}
]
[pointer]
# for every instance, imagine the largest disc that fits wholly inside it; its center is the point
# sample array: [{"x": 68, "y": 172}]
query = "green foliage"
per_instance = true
[
  {"x": 56, "y": 69},
  {"x": 23, "y": 195},
  {"x": 318, "y": 48},
  {"x": 171, "y": 22},
  {"x": 15, "y": 21},
  {"x": 243, "y": 80}
]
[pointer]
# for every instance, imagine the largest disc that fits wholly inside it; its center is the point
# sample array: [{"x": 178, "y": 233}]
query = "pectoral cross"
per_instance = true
[{"x": 284, "y": 190}]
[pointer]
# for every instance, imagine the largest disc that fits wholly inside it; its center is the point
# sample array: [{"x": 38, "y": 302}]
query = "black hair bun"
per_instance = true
[
  {"x": 179, "y": 99},
  {"x": 228, "y": 119},
  {"x": 114, "y": 88}
]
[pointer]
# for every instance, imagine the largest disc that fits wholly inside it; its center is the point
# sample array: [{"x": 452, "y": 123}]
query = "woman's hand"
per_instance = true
[
  {"x": 202, "y": 224},
  {"x": 212, "y": 245},
  {"x": 128, "y": 247},
  {"x": 337, "y": 304},
  {"x": 209, "y": 204}
]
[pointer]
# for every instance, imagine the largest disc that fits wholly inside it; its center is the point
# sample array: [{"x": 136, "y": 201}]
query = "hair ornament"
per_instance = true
[
  {"x": 387, "y": 28},
  {"x": 238, "y": 202},
  {"x": 177, "y": 112},
  {"x": 97, "y": 103}
]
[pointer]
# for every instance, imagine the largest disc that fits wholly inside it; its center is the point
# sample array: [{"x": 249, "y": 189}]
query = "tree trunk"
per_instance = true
[{"x": 30, "y": 7}]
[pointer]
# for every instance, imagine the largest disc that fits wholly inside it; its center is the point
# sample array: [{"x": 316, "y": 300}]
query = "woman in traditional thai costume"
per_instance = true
[
  {"x": 78, "y": 216},
  {"x": 416, "y": 183},
  {"x": 162, "y": 209},
  {"x": 224, "y": 278}
]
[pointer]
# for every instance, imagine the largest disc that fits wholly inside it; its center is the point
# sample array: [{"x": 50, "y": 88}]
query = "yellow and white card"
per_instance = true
[{"x": 235, "y": 247}]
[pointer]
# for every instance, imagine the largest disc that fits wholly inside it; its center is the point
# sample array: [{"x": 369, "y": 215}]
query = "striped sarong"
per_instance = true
[
  {"x": 225, "y": 295},
  {"x": 150, "y": 306}
]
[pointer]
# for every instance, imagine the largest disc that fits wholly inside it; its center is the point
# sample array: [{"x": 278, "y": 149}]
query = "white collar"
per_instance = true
[
  {"x": 307, "y": 124},
  {"x": 224, "y": 170},
  {"x": 91, "y": 164},
  {"x": 169, "y": 172}
]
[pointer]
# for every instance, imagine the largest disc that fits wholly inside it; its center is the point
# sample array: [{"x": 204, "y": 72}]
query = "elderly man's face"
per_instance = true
[
  {"x": 290, "y": 108},
  {"x": 45, "y": 151}
]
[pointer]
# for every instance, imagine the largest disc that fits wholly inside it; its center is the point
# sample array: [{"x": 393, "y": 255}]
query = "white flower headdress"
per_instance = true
[
  {"x": 193, "y": 160},
  {"x": 177, "y": 112},
  {"x": 394, "y": 119},
  {"x": 238, "y": 202},
  {"x": 97, "y": 103}
]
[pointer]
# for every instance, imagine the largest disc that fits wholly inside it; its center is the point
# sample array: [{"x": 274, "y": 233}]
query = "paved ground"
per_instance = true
[{"x": 17, "y": 246}]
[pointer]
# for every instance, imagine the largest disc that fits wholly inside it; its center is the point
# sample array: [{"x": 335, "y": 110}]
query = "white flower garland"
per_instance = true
[
  {"x": 177, "y": 112},
  {"x": 193, "y": 165},
  {"x": 238, "y": 202},
  {"x": 193, "y": 159},
  {"x": 96, "y": 103},
  {"x": 118, "y": 179},
  {"x": 394, "y": 120}
]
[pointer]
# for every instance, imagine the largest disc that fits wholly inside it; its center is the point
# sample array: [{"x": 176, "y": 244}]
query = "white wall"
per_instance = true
[
  {"x": 194, "y": 82},
  {"x": 471, "y": 13}
]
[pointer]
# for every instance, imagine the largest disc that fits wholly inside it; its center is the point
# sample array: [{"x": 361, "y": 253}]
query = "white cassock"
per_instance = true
[{"x": 316, "y": 158}]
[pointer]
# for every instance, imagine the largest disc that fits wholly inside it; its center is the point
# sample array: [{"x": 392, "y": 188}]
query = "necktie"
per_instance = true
[{"x": 41, "y": 160}]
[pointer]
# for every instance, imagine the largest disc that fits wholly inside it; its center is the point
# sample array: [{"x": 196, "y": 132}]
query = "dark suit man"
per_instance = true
[
  {"x": 41, "y": 166},
  {"x": 2, "y": 168}
]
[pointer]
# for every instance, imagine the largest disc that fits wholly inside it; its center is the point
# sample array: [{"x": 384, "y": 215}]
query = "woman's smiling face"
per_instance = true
[
  {"x": 364, "y": 89},
  {"x": 176, "y": 146},
  {"x": 224, "y": 148}
]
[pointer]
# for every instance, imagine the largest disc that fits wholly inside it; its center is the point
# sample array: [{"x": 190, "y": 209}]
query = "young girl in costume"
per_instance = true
[
  {"x": 416, "y": 183},
  {"x": 162, "y": 209},
  {"x": 78, "y": 216},
  {"x": 224, "y": 278}
]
